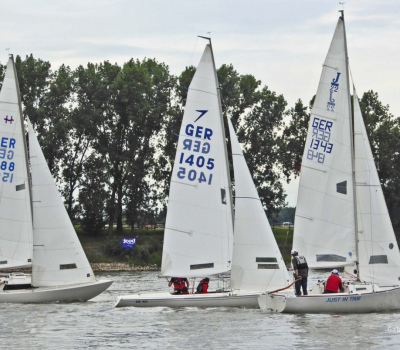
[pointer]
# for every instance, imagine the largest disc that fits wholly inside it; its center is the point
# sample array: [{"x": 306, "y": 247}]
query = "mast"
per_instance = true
[
  {"x": 24, "y": 137},
  {"x": 353, "y": 171},
  {"x": 223, "y": 129}
]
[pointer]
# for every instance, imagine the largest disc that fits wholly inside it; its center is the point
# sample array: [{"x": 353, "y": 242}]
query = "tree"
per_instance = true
[
  {"x": 93, "y": 195},
  {"x": 293, "y": 139}
]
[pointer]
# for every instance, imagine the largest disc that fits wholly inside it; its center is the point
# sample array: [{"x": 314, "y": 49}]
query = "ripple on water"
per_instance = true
[{"x": 97, "y": 324}]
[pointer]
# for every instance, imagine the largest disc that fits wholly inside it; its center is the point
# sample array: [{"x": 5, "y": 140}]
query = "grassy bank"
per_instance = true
[{"x": 148, "y": 250}]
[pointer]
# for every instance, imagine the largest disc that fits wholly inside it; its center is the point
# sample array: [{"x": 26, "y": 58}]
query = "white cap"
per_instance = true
[
  {"x": 335, "y": 271},
  {"x": 294, "y": 251}
]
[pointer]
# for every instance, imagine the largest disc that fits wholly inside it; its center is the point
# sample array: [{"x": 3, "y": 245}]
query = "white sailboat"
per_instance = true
[
  {"x": 199, "y": 237},
  {"x": 37, "y": 229},
  {"x": 341, "y": 212}
]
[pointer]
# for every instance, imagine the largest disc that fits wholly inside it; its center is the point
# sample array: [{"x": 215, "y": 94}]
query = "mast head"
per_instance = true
[
  {"x": 205, "y": 37},
  {"x": 341, "y": 14}
]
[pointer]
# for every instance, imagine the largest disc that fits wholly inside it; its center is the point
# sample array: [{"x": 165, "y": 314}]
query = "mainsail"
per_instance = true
[
  {"x": 379, "y": 260},
  {"x": 257, "y": 261},
  {"x": 15, "y": 202},
  {"x": 325, "y": 214},
  {"x": 58, "y": 257},
  {"x": 199, "y": 225}
]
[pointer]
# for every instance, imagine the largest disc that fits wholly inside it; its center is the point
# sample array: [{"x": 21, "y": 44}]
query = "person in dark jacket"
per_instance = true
[
  {"x": 300, "y": 268},
  {"x": 202, "y": 288},
  {"x": 178, "y": 283},
  {"x": 334, "y": 283}
]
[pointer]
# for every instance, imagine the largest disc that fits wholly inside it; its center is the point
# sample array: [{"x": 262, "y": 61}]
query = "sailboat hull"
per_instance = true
[
  {"x": 386, "y": 300},
  {"x": 77, "y": 292},
  {"x": 226, "y": 299}
]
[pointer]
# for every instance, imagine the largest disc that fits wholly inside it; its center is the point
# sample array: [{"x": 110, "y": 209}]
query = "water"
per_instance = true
[{"x": 98, "y": 325}]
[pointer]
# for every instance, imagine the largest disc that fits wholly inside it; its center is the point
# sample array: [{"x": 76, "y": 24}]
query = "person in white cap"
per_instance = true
[
  {"x": 300, "y": 268},
  {"x": 334, "y": 283}
]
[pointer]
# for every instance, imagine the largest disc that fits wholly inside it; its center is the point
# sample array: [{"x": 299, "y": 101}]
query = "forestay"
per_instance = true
[
  {"x": 379, "y": 260},
  {"x": 58, "y": 257},
  {"x": 198, "y": 231},
  {"x": 325, "y": 217},
  {"x": 15, "y": 202},
  {"x": 257, "y": 262}
]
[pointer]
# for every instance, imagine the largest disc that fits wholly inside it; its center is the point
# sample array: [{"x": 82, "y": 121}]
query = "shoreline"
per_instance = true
[{"x": 102, "y": 267}]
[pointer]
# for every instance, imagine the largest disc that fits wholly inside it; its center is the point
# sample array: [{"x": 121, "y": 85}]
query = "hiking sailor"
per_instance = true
[
  {"x": 178, "y": 283},
  {"x": 202, "y": 288},
  {"x": 334, "y": 283},
  {"x": 300, "y": 268}
]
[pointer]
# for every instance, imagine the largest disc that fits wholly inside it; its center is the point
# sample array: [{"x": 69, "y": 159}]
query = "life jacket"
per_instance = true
[
  {"x": 178, "y": 283},
  {"x": 333, "y": 283},
  {"x": 200, "y": 286},
  {"x": 301, "y": 262}
]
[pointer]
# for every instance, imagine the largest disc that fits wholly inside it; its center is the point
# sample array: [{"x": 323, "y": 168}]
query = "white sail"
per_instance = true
[
  {"x": 379, "y": 258},
  {"x": 58, "y": 257},
  {"x": 198, "y": 231},
  {"x": 15, "y": 202},
  {"x": 325, "y": 213},
  {"x": 257, "y": 263}
]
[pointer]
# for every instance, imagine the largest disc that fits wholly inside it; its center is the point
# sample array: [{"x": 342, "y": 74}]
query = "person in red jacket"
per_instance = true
[
  {"x": 178, "y": 283},
  {"x": 202, "y": 288},
  {"x": 334, "y": 283}
]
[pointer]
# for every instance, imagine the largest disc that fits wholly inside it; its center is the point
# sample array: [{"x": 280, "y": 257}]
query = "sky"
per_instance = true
[{"x": 283, "y": 43}]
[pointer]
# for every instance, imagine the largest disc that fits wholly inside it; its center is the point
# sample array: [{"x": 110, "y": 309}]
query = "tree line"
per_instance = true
[{"x": 108, "y": 133}]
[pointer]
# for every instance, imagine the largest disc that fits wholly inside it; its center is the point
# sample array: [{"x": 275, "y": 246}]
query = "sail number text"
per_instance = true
[
  {"x": 195, "y": 155},
  {"x": 321, "y": 135},
  {"x": 7, "y": 146}
]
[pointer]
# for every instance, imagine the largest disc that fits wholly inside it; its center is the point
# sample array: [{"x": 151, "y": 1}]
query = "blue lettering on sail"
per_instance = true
[
  {"x": 321, "y": 135},
  {"x": 7, "y": 167},
  {"x": 202, "y": 112},
  {"x": 334, "y": 88},
  {"x": 194, "y": 164}
]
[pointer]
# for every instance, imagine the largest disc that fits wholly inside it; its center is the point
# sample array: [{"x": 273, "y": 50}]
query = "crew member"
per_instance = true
[
  {"x": 178, "y": 283},
  {"x": 300, "y": 268},
  {"x": 202, "y": 288},
  {"x": 334, "y": 283}
]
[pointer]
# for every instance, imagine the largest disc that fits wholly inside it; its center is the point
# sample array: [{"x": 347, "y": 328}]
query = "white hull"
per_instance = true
[
  {"x": 385, "y": 300},
  {"x": 77, "y": 292},
  {"x": 224, "y": 299}
]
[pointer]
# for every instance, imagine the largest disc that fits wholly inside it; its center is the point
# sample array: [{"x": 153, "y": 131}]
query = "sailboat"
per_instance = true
[
  {"x": 341, "y": 212},
  {"x": 199, "y": 238},
  {"x": 35, "y": 228}
]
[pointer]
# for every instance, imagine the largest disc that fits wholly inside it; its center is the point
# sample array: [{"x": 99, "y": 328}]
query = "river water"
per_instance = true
[{"x": 98, "y": 325}]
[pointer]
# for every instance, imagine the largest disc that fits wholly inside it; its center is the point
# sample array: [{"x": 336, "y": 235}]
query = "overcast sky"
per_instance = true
[{"x": 283, "y": 43}]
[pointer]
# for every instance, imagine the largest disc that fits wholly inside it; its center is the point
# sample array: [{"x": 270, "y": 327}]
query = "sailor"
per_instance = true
[
  {"x": 300, "y": 268},
  {"x": 334, "y": 283},
  {"x": 178, "y": 283},
  {"x": 202, "y": 288}
]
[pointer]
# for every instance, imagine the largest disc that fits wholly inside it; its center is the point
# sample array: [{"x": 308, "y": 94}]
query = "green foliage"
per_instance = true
[{"x": 146, "y": 252}]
